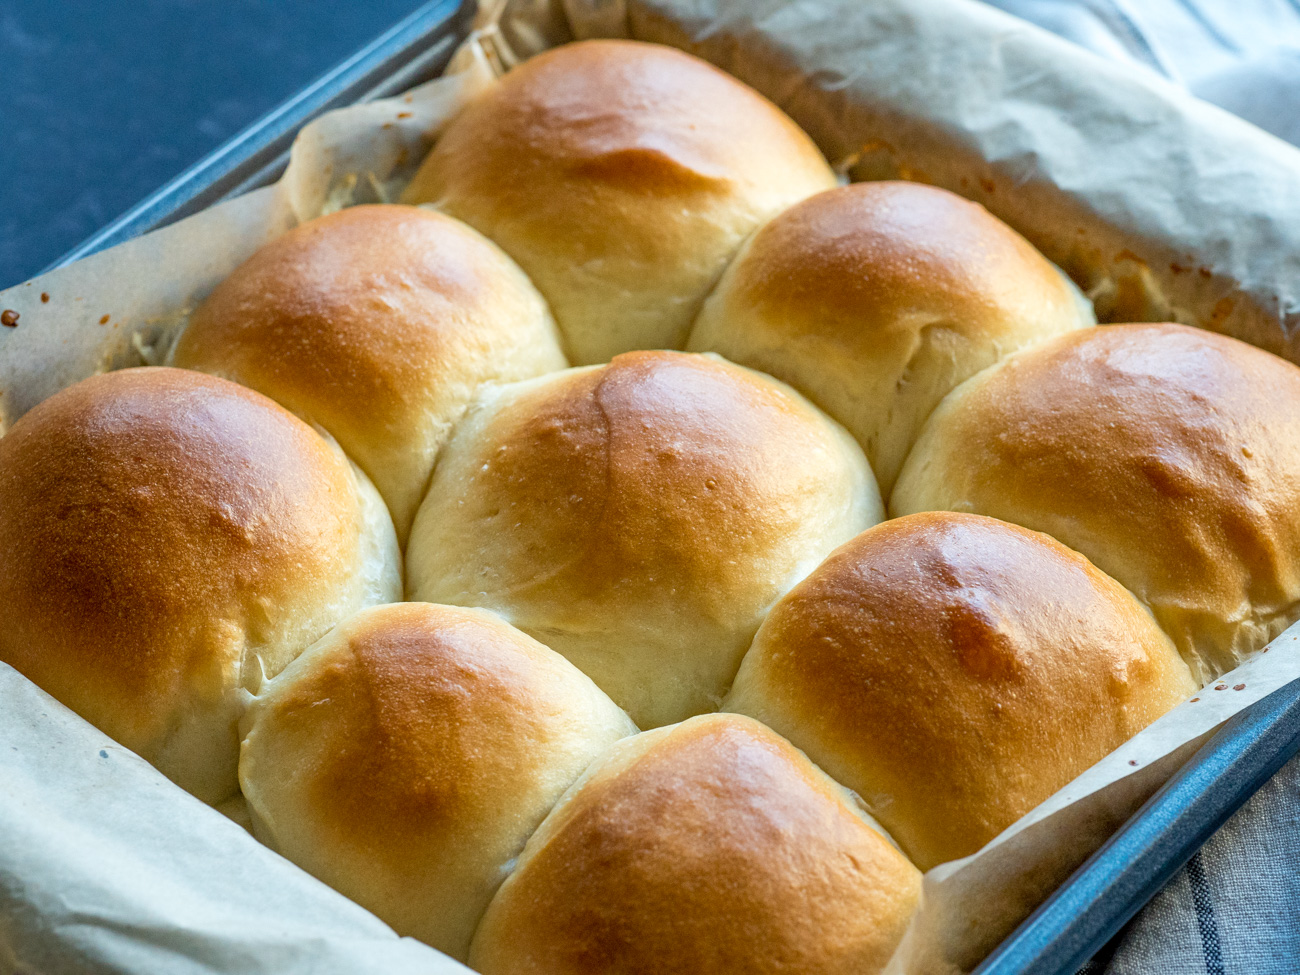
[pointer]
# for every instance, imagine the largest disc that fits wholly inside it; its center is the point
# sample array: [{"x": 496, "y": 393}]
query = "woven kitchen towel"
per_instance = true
[
  {"x": 1243, "y": 55},
  {"x": 1235, "y": 908}
]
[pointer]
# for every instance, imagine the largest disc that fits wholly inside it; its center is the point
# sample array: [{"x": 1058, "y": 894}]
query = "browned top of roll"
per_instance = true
[
  {"x": 639, "y": 517},
  {"x": 406, "y": 757},
  {"x": 621, "y": 176},
  {"x": 876, "y": 299},
  {"x": 642, "y": 115},
  {"x": 422, "y": 724},
  {"x": 1168, "y": 455},
  {"x": 378, "y": 323},
  {"x": 882, "y": 251},
  {"x": 362, "y": 300},
  {"x": 589, "y": 462},
  {"x": 955, "y": 671},
  {"x": 154, "y": 523},
  {"x": 711, "y": 846},
  {"x": 404, "y": 719}
]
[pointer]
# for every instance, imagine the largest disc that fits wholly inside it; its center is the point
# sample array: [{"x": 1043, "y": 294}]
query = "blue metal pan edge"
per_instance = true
[
  {"x": 1128, "y": 870},
  {"x": 414, "y": 50}
]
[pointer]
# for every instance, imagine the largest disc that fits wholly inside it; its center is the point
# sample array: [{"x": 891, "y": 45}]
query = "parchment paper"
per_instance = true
[
  {"x": 106, "y": 866},
  {"x": 1160, "y": 206}
]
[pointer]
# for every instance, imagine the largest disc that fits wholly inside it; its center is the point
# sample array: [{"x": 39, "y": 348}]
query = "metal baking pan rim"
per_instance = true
[
  {"x": 414, "y": 50},
  {"x": 1112, "y": 885}
]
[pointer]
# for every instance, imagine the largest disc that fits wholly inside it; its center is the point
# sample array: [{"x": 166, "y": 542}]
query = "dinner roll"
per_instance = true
[
  {"x": 622, "y": 177},
  {"x": 378, "y": 323},
  {"x": 1167, "y": 455},
  {"x": 708, "y": 848},
  {"x": 168, "y": 538},
  {"x": 876, "y": 299},
  {"x": 955, "y": 671},
  {"x": 639, "y": 517},
  {"x": 406, "y": 757}
]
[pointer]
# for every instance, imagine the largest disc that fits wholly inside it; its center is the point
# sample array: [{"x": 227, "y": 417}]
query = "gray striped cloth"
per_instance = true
[{"x": 1234, "y": 909}]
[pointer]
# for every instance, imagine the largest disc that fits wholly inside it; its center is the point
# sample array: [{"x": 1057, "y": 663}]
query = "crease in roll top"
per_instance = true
[
  {"x": 1168, "y": 455},
  {"x": 955, "y": 671},
  {"x": 639, "y": 517}
]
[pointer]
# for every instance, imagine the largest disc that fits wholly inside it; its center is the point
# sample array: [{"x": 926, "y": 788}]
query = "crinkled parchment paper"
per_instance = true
[
  {"x": 105, "y": 866},
  {"x": 1160, "y": 206}
]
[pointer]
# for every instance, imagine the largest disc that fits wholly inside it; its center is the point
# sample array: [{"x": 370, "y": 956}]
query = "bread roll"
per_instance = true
[
  {"x": 708, "y": 848},
  {"x": 955, "y": 671},
  {"x": 168, "y": 538},
  {"x": 378, "y": 323},
  {"x": 640, "y": 518},
  {"x": 622, "y": 177},
  {"x": 875, "y": 300},
  {"x": 1167, "y": 455},
  {"x": 406, "y": 757}
]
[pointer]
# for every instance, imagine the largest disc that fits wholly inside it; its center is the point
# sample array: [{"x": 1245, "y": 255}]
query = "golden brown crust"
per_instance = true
[
  {"x": 156, "y": 526},
  {"x": 1167, "y": 455},
  {"x": 876, "y": 299},
  {"x": 710, "y": 847},
  {"x": 378, "y": 323},
  {"x": 955, "y": 671},
  {"x": 622, "y": 177},
  {"x": 406, "y": 758},
  {"x": 639, "y": 518}
]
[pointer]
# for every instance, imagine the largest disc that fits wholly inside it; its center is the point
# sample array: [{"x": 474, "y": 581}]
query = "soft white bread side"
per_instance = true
[
  {"x": 406, "y": 757},
  {"x": 622, "y": 177},
  {"x": 166, "y": 539},
  {"x": 710, "y": 847},
  {"x": 640, "y": 518}
]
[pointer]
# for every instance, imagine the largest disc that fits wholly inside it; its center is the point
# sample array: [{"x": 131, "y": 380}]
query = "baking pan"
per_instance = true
[
  {"x": 415, "y": 50},
  {"x": 1131, "y": 867},
  {"x": 1104, "y": 893}
]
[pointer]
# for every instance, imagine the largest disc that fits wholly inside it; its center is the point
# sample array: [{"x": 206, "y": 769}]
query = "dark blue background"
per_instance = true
[{"x": 103, "y": 101}]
